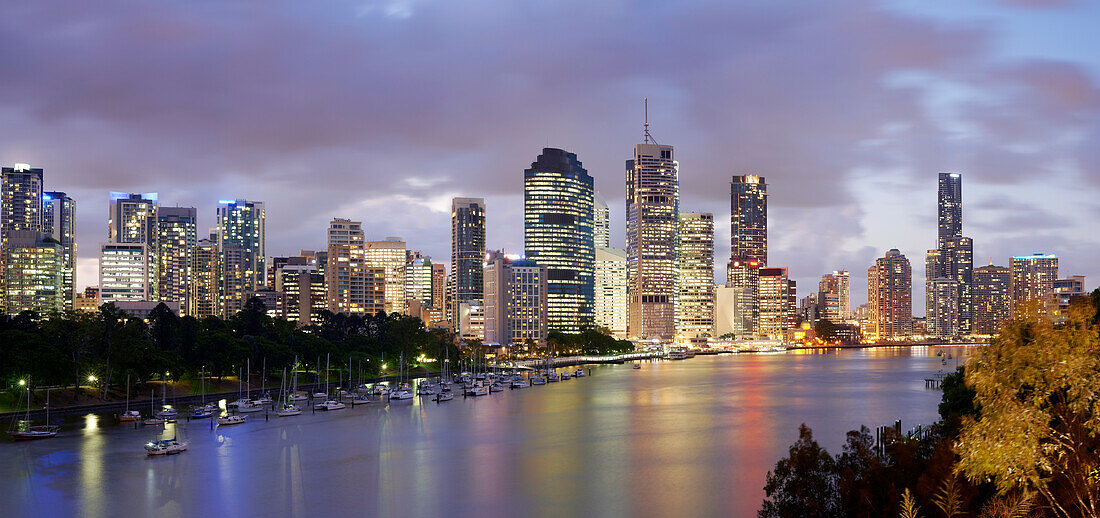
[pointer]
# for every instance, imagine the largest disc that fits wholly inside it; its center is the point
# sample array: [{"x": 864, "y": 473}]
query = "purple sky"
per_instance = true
[{"x": 383, "y": 111}]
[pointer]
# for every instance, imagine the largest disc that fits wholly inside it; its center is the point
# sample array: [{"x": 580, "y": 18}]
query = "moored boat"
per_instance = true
[{"x": 231, "y": 420}]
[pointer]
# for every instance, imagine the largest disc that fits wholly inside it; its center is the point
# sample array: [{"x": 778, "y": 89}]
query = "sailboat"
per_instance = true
[
  {"x": 328, "y": 403},
  {"x": 35, "y": 432},
  {"x": 287, "y": 410},
  {"x": 245, "y": 404},
  {"x": 153, "y": 417},
  {"x": 205, "y": 411},
  {"x": 128, "y": 415}
]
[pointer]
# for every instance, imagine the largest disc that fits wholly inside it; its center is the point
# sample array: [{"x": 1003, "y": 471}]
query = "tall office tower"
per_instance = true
[
  {"x": 235, "y": 279},
  {"x": 20, "y": 199},
  {"x": 516, "y": 306},
  {"x": 601, "y": 222},
  {"x": 992, "y": 298},
  {"x": 132, "y": 218},
  {"x": 738, "y": 310},
  {"x": 439, "y": 285},
  {"x": 942, "y": 318},
  {"x": 345, "y": 271},
  {"x": 695, "y": 276},
  {"x": 59, "y": 220},
  {"x": 243, "y": 224},
  {"x": 950, "y": 207},
  {"x": 557, "y": 233},
  {"x": 467, "y": 252},
  {"x": 610, "y": 302},
  {"x": 890, "y": 295},
  {"x": 776, "y": 302},
  {"x": 124, "y": 272},
  {"x": 418, "y": 278},
  {"x": 176, "y": 237},
  {"x": 749, "y": 219},
  {"x": 1033, "y": 279},
  {"x": 1065, "y": 290},
  {"x": 652, "y": 218},
  {"x": 834, "y": 296},
  {"x": 389, "y": 255},
  {"x": 304, "y": 286},
  {"x": 203, "y": 281},
  {"x": 33, "y": 263}
]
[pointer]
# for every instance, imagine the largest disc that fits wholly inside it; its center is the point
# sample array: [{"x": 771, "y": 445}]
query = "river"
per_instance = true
[{"x": 675, "y": 438}]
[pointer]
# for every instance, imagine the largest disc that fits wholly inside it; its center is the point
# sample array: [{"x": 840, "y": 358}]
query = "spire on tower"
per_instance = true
[{"x": 648, "y": 138}]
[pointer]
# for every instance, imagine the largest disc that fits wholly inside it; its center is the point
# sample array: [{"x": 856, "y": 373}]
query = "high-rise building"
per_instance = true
[
  {"x": 235, "y": 279},
  {"x": 418, "y": 278},
  {"x": 695, "y": 276},
  {"x": 992, "y": 298},
  {"x": 243, "y": 224},
  {"x": 516, "y": 305},
  {"x": 950, "y": 207},
  {"x": 124, "y": 273},
  {"x": 389, "y": 254},
  {"x": 749, "y": 219},
  {"x": 439, "y": 285},
  {"x": 203, "y": 280},
  {"x": 353, "y": 286},
  {"x": 1033, "y": 279},
  {"x": 557, "y": 233},
  {"x": 739, "y": 311},
  {"x": 834, "y": 296},
  {"x": 21, "y": 190},
  {"x": 890, "y": 296},
  {"x": 776, "y": 302},
  {"x": 942, "y": 318},
  {"x": 610, "y": 289},
  {"x": 1065, "y": 290},
  {"x": 59, "y": 220},
  {"x": 176, "y": 237},
  {"x": 467, "y": 252},
  {"x": 601, "y": 222},
  {"x": 471, "y": 320},
  {"x": 304, "y": 286},
  {"x": 132, "y": 218},
  {"x": 32, "y": 262},
  {"x": 652, "y": 218}
]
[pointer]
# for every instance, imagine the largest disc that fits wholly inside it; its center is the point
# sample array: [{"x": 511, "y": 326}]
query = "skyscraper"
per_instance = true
[
  {"x": 124, "y": 273},
  {"x": 652, "y": 218},
  {"x": 59, "y": 220},
  {"x": 352, "y": 287},
  {"x": 21, "y": 190},
  {"x": 176, "y": 237},
  {"x": 695, "y": 276},
  {"x": 516, "y": 306},
  {"x": 776, "y": 302},
  {"x": 439, "y": 285},
  {"x": 737, "y": 312},
  {"x": 418, "y": 278},
  {"x": 834, "y": 296},
  {"x": 610, "y": 301},
  {"x": 557, "y": 233},
  {"x": 389, "y": 255},
  {"x": 467, "y": 252},
  {"x": 749, "y": 219},
  {"x": 241, "y": 231},
  {"x": 203, "y": 280},
  {"x": 950, "y": 207},
  {"x": 942, "y": 318},
  {"x": 1033, "y": 279},
  {"x": 992, "y": 298},
  {"x": 601, "y": 222},
  {"x": 890, "y": 296},
  {"x": 32, "y": 263}
]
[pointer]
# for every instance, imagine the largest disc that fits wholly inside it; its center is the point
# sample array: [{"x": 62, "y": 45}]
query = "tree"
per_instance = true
[
  {"x": 1037, "y": 387},
  {"x": 825, "y": 330},
  {"x": 803, "y": 484}
]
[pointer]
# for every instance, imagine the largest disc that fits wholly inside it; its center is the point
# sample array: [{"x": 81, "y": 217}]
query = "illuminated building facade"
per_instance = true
[
  {"x": 345, "y": 271},
  {"x": 695, "y": 276},
  {"x": 516, "y": 301},
  {"x": 418, "y": 278},
  {"x": 21, "y": 191},
  {"x": 389, "y": 255},
  {"x": 652, "y": 219},
  {"x": 834, "y": 296},
  {"x": 992, "y": 298},
  {"x": 203, "y": 280},
  {"x": 1065, "y": 290},
  {"x": 59, "y": 220},
  {"x": 471, "y": 320},
  {"x": 749, "y": 219},
  {"x": 467, "y": 252},
  {"x": 601, "y": 222},
  {"x": 890, "y": 297},
  {"x": 241, "y": 233},
  {"x": 124, "y": 272},
  {"x": 610, "y": 300},
  {"x": 1033, "y": 278},
  {"x": 304, "y": 287},
  {"x": 942, "y": 320},
  {"x": 439, "y": 285},
  {"x": 557, "y": 233},
  {"x": 176, "y": 238},
  {"x": 949, "y": 204},
  {"x": 33, "y": 263},
  {"x": 741, "y": 308},
  {"x": 952, "y": 260},
  {"x": 776, "y": 302}
]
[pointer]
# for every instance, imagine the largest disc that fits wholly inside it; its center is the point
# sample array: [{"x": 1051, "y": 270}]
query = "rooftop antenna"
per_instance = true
[{"x": 648, "y": 138}]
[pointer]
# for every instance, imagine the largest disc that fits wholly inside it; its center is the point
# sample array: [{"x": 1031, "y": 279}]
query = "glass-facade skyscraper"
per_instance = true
[
  {"x": 467, "y": 252},
  {"x": 558, "y": 234},
  {"x": 695, "y": 276},
  {"x": 949, "y": 204},
  {"x": 241, "y": 232},
  {"x": 652, "y": 219},
  {"x": 59, "y": 220},
  {"x": 749, "y": 219},
  {"x": 177, "y": 236}
]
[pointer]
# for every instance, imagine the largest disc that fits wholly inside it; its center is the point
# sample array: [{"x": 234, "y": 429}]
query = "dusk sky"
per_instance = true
[{"x": 384, "y": 111}]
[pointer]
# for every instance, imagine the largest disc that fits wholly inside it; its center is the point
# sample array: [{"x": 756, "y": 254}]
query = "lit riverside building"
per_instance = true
[
  {"x": 176, "y": 237},
  {"x": 557, "y": 233},
  {"x": 890, "y": 296},
  {"x": 1033, "y": 279},
  {"x": 389, "y": 255},
  {"x": 695, "y": 276},
  {"x": 32, "y": 272},
  {"x": 59, "y": 220},
  {"x": 652, "y": 218},
  {"x": 992, "y": 298},
  {"x": 202, "y": 285},
  {"x": 834, "y": 295},
  {"x": 610, "y": 289},
  {"x": 353, "y": 286},
  {"x": 776, "y": 301},
  {"x": 601, "y": 222},
  {"x": 132, "y": 218},
  {"x": 516, "y": 301},
  {"x": 749, "y": 219},
  {"x": 21, "y": 190},
  {"x": 124, "y": 273},
  {"x": 241, "y": 230},
  {"x": 467, "y": 253}
]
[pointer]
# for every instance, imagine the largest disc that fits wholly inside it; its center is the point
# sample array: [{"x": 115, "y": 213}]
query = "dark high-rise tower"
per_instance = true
[
  {"x": 749, "y": 219},
  {"x": 558, "y": 234},
  {"x": 467, "y": 252},
  {"x": 950, "y": 207},
  {"x": 59, "y": 220}
]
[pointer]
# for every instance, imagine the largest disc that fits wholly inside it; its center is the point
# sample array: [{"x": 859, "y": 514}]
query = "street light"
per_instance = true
[
  {"x": 91, "y": 378},
  {"x": 22, "y": 382}
]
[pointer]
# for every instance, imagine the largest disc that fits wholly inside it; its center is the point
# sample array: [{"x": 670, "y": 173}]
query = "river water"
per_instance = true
[{"x": 675, "y": 438}]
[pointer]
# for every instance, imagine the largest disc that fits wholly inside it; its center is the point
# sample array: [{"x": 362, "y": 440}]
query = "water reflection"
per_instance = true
[{"x": 674, "y": 438}]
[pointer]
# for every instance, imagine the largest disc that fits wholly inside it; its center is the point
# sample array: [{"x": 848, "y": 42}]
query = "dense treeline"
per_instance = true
[
  {"x": 587, "y": 342},
  {"x": 1019, "y": 435},
  {"x": 66, "y": 349}
]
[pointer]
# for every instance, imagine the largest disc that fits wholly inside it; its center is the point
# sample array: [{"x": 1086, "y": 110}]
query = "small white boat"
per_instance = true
[
  {"x": 36, "y": 432},
  {"x": 444, "y": 396},
  {"x": 637, "y": 366},
  {"x": 537, "y": 380},
  {"x": 359, "y": 400},
  {"x": 565, "y": 376},
  {"x": 239, "y": 402},
  {"x": 288, "y": 411},
  {"x": 380, "y": 390},
  {"x": 203, "y": 412},
  {"x": 496, "y": 386},
  {"x": 426, "y": 389},
  {"x": 153, "y": 420},
  {"x": 579, "y": 373},
  {"x": 552, "y": 377},
  {"x": 167, "y": 413},
  {"x": 299, "y": 396},
  {"x": 332, "y": 404},
  {"x": 249, "y": 408},
  {"x": 480, "y": 390},
  {"x": 320, "y": 395},
  {"x": 230, "y": 420},
  {"x": 401, "y": 395},
  {"x": 166, "y": 447},
  {"x": 519, "y": 383},
  {"x": 129, "y": 415}
]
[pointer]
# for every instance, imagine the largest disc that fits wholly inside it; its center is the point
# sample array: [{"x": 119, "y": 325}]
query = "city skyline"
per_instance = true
[{"x": 829, "y": 211}]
